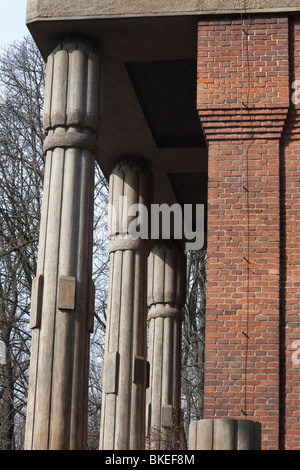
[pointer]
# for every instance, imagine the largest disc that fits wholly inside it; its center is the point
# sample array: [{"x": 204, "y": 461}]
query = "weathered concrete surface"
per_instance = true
[
  {"x": 224, "y": 434},
  {"x": 63, "y": 292},
  {"x": 165, "y": 296},
  {"x": 124, "y": 369},
  {"x": 43, "y": 9}
]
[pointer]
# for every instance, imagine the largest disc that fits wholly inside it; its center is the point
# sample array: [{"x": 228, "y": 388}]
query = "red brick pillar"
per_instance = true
[
  {"x": 290, "y": 254},
  {"x": 243, "y": 99}
]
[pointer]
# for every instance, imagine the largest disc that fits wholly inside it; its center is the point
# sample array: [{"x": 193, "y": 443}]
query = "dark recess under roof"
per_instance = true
[{"x": 166, "y": 91}]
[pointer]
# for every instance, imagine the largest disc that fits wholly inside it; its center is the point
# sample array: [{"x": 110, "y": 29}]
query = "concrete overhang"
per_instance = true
[{"x": 79, "y": 9}]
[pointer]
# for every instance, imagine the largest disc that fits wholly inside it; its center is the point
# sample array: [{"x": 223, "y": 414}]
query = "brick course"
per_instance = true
[
  {"x": 290, "y": 255},
  {"x": 243, "y": 100}
]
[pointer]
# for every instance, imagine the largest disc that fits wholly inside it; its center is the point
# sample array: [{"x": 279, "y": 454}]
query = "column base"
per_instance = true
[{"x": 225, "y": 434}]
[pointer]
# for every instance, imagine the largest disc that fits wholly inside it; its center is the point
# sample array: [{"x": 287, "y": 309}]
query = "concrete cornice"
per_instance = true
[{"x": 43, "y": 10}]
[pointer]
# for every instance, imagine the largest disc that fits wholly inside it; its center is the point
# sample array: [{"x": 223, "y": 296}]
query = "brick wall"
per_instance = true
[
  {"x": 253, "y": 285},
  {"x": 242, "y": 339},
  {"x": 243, "y": 62},
  {"x": 290, "y": 255}
]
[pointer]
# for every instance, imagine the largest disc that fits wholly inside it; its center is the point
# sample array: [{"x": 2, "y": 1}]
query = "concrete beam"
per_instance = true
[{"x": 72, "y": 9}]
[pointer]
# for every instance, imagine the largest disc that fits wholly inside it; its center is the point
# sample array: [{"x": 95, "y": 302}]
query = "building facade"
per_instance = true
[{"x": 180, "y": 102}]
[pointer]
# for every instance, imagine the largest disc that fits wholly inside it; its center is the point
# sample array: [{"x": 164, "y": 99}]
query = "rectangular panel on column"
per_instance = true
[
  {"x": 91, "y": 306},
  {"x": 139, "y": 370},
  {"x": 66, "y": 292},
  {"x": 111, "y": 365},
  {"x": 36, "y": 302},
  {"x": 166, "y": 416}
]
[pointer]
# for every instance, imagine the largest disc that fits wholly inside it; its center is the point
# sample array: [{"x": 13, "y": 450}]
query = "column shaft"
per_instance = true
[
  {"x": 166, "y": 294},
  {"x": 124, "y": 368},
  {"x": 62, "y": 293},
  {"x": 225, "y": 434}
]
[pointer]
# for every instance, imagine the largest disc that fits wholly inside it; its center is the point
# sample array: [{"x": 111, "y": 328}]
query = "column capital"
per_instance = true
[
  {"x": 72, "y": 86},
  {"x": 131, "y": 191},
  {"x": 166, "y": 276}
]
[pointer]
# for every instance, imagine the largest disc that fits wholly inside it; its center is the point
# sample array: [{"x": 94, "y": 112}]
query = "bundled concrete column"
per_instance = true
[
  {"x": 225, "y": 434},
  {"x": 62, "y": 307},
  {"x": 166, "y": 297},
  {"x": 124, "y": 371}
]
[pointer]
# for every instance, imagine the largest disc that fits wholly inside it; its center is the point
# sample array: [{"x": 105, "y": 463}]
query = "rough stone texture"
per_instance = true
[
  {"x": 43, "y": 9},
  {"x": 66, "y": 292},
  {"x": 166, "y": 296},
  {"x": 124, "y": 368},
  {"x": 224, "y": 434},
  {"x": 62, "y": 300}
]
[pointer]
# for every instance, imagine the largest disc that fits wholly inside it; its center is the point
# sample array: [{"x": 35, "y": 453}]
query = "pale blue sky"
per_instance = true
[{"x": 12, "y": 21}]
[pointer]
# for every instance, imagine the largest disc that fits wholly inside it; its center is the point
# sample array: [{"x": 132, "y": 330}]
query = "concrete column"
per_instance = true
[
  {"x": 62, "y": 307},
  {"x": 124, "y": 369},
  {"x": 166, "y": 297},
  {"x": 225, "y": 434}
]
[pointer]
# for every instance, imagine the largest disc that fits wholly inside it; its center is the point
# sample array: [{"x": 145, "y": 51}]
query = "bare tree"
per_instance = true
[
  {"x": 100, "y": 277},
  {"x": 21, "y": 175},
  {"x": 22, "y": 74},
  {"x": 193, "y": 338}
]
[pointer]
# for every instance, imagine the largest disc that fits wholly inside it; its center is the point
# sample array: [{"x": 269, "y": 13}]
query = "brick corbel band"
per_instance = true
[
  {"x": 243, "y": 99},
  {"x": 237, "y": 123},
  {"x": 243, "y": 83}
]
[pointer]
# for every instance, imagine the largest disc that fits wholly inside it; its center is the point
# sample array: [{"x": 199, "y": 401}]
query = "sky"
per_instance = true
[{"x": 12, "y": 21}]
